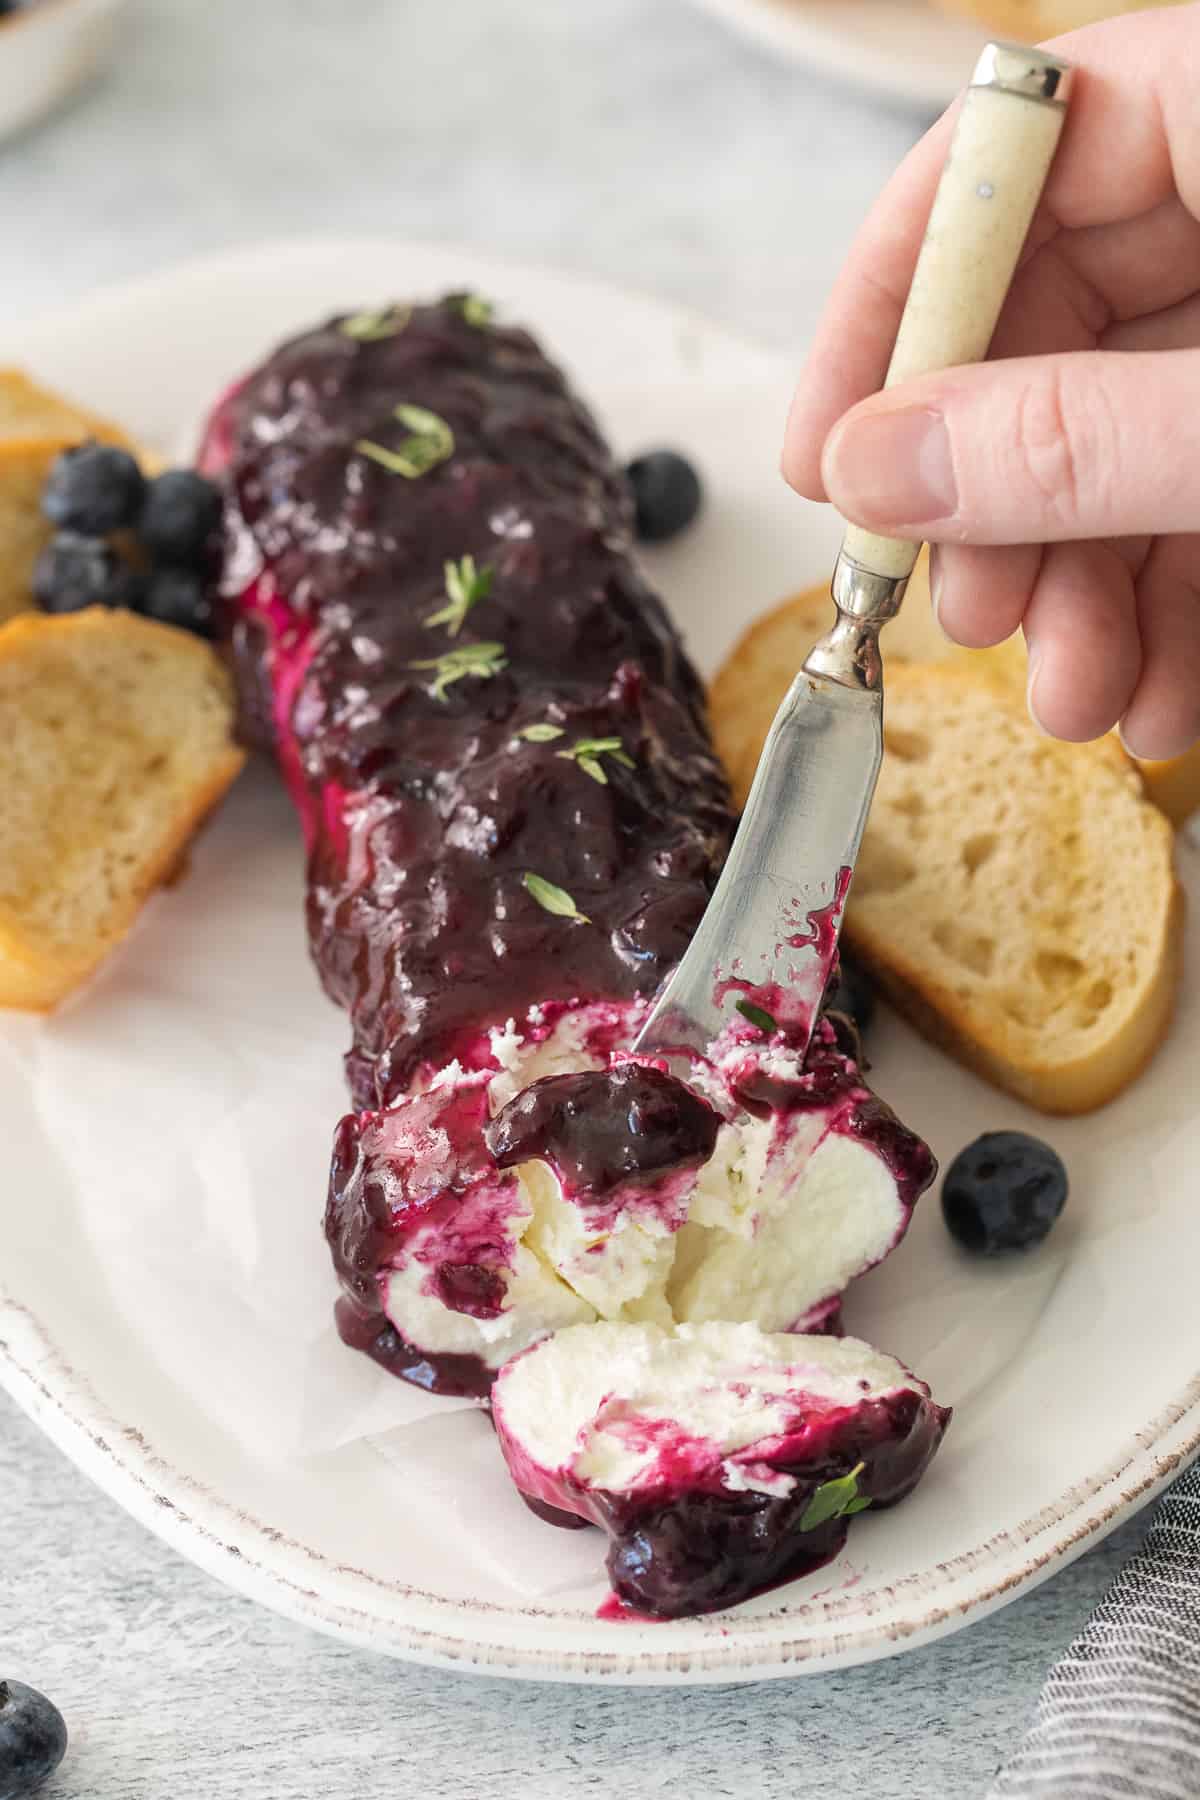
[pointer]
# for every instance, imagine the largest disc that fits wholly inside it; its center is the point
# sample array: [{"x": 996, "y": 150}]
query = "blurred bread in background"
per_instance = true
[{"x": 1030, "y": 21}]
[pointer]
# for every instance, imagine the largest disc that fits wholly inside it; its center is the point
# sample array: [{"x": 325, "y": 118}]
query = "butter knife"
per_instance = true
[{"x": 767, "y": 942}]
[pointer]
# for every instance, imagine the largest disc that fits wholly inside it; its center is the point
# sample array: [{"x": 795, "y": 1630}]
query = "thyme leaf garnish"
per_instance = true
[
  {"x": 369, "y": 327},
  {"x": 833, "y": 1499},
  {"x": 465, "y": 584},
  {"x": 588, "y": 751},
  {"x": 482, "y": 660},
  {"x": 430, "y": 442},
  {"x": 757, "y": 1015},
  {"x": 554, "y": 899},
  {"x": 473, "y": 309}
]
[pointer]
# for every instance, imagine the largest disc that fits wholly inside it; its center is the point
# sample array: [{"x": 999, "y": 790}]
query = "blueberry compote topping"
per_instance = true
[
  {"x": 431, "y": 591},
  {"x": 695, "y": 1552},
  {"x": 599, "y": 1130},
  {"x": 422, "y": 1165}
]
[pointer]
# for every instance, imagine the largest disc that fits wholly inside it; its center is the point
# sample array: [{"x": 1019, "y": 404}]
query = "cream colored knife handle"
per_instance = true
[{"x": 1003, "y": 145}]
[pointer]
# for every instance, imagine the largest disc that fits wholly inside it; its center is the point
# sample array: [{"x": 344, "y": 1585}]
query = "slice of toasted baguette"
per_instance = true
[
  {"x": 1014, "y": 895},
  {"x": 758, "y": 670},
  {"x": 36, "y": 425},
  {"x": 30, "y": 410},
  {"x": 1174, "y": 786},
  {"x": 115, "y": 742}
]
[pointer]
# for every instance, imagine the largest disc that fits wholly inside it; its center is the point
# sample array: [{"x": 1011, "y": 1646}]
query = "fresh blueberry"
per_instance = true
[
  {"x": 74, "y": 571},
  {"x": 93, "y": 489},
  {"x": 1003, "y": 1192},
  {"x": 179, "y": 518},
  {"x": 852, "y": 992},
  {"x": 180, "y": 597},
  {"x": 33, "y": 1739},
  {"x": 666, "y": 494}
]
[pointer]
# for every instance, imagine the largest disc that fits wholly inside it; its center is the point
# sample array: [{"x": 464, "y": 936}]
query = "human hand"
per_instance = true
[{"x": 1059, "y": 481}]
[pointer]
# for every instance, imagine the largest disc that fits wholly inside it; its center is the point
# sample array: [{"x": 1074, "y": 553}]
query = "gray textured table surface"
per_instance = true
[{"x": 629, "y": 139}]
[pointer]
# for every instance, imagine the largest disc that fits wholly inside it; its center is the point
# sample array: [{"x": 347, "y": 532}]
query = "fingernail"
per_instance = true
[
  {"x": 891, "y": 468},
  {"x": 935, "y": 591},
  {"x": 1132, "y": 749},
  {"x": 1035, "y": 667}
]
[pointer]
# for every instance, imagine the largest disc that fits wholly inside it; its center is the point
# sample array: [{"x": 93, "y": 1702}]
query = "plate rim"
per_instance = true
[
  {"x": 246, "y": 1554},
  {"x": 237, "y": 1548}
]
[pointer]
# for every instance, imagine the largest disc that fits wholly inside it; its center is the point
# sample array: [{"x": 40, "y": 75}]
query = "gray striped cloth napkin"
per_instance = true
[{"x": 1119, "y": 1716}]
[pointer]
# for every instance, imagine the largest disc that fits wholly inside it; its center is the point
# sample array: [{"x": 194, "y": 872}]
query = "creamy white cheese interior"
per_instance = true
[
  {"x": 780, "y": 1219},
  {"x": 612, "y": 1405}
]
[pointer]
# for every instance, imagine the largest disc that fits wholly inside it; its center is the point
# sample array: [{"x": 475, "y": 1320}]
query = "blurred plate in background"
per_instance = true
[
  {"x": 904, "y": 49},
  {"x": 48, "y": 50}
]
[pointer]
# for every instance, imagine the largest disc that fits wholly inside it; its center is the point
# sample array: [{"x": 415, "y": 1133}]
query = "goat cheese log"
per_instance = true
[{"x": 514, "y": 819}]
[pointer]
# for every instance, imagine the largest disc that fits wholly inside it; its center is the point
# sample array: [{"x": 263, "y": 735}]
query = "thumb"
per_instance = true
[{"x": 1028, "y": 450}]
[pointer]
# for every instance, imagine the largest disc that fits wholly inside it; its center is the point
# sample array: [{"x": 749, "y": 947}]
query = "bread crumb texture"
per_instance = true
[{"x": 115, "y": 742}]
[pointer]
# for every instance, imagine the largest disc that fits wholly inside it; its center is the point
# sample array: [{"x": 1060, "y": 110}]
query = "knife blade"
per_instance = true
[{"x": 766, "y": 946}]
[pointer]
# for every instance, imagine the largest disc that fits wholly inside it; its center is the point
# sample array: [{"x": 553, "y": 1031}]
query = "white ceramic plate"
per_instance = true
[
  {"x": 1074, "y": 1372},
  {"x": 903, "y": 49}
]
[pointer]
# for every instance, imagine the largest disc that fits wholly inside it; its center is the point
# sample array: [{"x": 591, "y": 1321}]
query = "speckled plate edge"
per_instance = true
[
  {"x": 256, "y": 1558},
  {"x": 806, "y": 1637}
]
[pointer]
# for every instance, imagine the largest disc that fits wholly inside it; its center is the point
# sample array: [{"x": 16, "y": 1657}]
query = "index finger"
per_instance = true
[{"x": 1130, "y": 109}]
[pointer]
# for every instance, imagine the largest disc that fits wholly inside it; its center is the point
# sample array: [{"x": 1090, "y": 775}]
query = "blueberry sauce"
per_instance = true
[
  {"x": 598, "y": 1130},
  {"x": 790, "y": 1008},
  {"x": 911, "y": 1161},
  {"x": 425, "y": 808},
  {"x": 698, "y": 1552},
  {"x": 422, "y": 1165},
  {"x": 370, "y": 1330},
  {"x": 823, "y": 922},
  {"x": 686, "y": 1545}
]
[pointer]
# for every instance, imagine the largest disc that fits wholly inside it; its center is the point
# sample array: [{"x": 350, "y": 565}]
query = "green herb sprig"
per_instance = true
[
  {"x": 553, "y": 899},
  {"x": 430, "y": 442},
  {"x": 757, "y": 1015},
  {"x": 835, "y": 1500},
  {"x": 465, "y": 586},
  {"x": 540, "y": 734},
  {"x": 369, "y": 327},
  {"x": 588, "y": 751},
  {"x": 473, "y": 309},
  {"x": 481, "y": 660}
]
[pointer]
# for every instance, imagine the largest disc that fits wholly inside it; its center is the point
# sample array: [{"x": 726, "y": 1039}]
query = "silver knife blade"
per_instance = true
[
  {"x": 765, "y": 947},
  {"x": 768, "y": 938}
]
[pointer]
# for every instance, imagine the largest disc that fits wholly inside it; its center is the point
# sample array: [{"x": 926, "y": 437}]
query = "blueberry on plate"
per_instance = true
[
  {"x": 75, "y": 571},
  {"x": 93, "y": 489},
  {"x": 1003, "y": 1192},
  {"x": 180, "y": 597},
  {"x": 666, "y": 494},
  {"x": 33, "y": 1739},
  {"x": 179, "y": 518}
]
